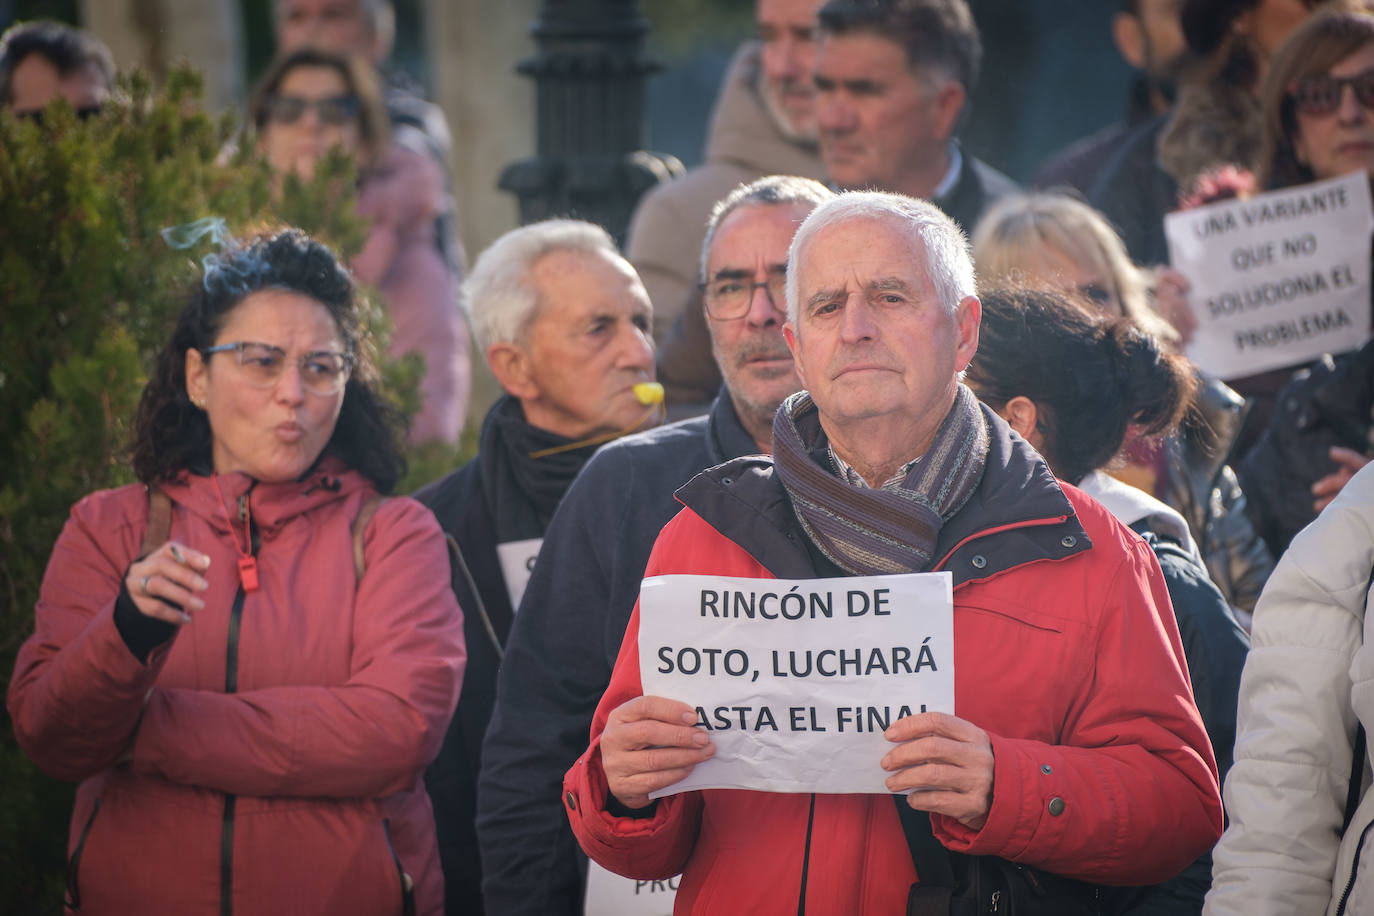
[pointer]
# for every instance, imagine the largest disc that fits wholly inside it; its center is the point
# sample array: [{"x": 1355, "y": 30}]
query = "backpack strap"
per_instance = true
[
  {"x": 159, "y": 520},
  {"x": 369, "y": 509}
]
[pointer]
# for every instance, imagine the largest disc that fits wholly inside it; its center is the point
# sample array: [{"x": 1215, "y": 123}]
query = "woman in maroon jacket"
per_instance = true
[{"x": 240, "y": 658}]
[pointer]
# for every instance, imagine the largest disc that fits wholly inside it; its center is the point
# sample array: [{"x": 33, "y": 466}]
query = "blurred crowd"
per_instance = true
[{"x": 625, "y": 375}]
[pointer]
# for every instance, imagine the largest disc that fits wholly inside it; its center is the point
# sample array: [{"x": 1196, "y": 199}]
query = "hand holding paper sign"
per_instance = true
[
  {"x": 948, "y": 763},
  {"x": 650, "y": 743}
]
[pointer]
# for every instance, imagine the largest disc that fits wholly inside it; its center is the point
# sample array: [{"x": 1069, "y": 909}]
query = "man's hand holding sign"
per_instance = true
[
  {"x": 649, "y": 744},
  {"x": 945, "y": 762}
]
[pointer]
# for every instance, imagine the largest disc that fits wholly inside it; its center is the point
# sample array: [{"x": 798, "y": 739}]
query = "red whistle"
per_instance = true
[{"x": 248, "y": 573}]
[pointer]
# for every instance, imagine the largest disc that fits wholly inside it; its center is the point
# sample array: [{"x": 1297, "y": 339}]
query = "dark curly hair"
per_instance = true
[
  {"x": 1090, "y": 376},
  {"x": 171, "y": 435}
]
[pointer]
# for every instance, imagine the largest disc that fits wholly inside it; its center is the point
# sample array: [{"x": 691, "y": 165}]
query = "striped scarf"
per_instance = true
[{"x": 874, "y": 532}]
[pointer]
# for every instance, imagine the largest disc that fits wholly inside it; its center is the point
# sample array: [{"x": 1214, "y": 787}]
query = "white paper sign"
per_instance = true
[
  {"x": 795, "y": 680},
  {"x": 1277, "y": 279},
  {"x": 609, "y": 894},
  {"x": 517, "y": 561}
]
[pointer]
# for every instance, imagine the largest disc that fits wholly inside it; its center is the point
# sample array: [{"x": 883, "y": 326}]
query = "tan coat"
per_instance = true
[{"x": 744, "y": 143}]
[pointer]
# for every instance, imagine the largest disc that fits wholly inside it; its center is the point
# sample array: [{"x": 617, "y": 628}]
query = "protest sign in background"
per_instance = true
[
  {"x": 796, "y": 680},
  {"x": 1279, "y": 278}
]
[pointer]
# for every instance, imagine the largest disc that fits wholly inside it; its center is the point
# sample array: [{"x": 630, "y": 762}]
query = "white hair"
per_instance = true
[
  {"x": 946, "y": 248},
  {"x": 500, "y": 298}
]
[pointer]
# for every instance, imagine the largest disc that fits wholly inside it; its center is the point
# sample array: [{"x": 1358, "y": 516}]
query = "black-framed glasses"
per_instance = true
[
  {"x": 729, "y": 297},
  {"x": 333, "y": 110},
  {"x": 1320, "y": 93},
  {"x": 84, "y": 113},
  {"x": 323, "y": 372}
]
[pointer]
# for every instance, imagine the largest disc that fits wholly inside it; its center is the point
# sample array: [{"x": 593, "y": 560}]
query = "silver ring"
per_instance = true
[{"x": 144, "y": 585}]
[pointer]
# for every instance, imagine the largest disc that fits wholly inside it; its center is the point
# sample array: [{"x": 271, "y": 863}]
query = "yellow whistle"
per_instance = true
[{"x": 649, "y": 393}]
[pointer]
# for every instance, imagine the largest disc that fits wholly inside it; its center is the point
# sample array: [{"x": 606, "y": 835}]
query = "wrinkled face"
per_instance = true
[
  {"x": 588, "y": 346},
  {"x": 876, "y": 118},
  {"x": 271, "y": 434},
  {"x": 313, "y": 96},
  {"x": 36, "y": 82},
  {"x": 749, "y": 247},
  {"x": 786, "y": 28},
  {"x": 871, "y": 340},
  {"x": 330, "y": 25},
  {"x": 1052, "y": 267},
  {"x": 1340, "y": 141}
]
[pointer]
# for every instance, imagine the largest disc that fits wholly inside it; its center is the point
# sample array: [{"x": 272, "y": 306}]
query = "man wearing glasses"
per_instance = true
[
  {"x": 569, "y": 626},
  {"x": 40, "y": 61}
]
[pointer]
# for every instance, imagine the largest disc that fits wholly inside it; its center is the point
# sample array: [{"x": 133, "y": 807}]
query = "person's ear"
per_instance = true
[
  {"x": 197, "y": 377},
  {"x": 789, "y": 334},
  {"x": 1129, "y": 36},
  {"x": 513, "y": 370},
  {"x": 948, "y": 106},
  {"x": 968, "y": 316},
  {"x": 1021, "y": 415}
]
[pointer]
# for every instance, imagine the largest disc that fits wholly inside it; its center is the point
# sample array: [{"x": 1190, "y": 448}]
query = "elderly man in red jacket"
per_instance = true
[{"x": 1074, "y": 746}]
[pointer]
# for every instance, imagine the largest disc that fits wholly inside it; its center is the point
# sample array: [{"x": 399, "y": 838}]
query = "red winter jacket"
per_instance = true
[
  {"x": 272, "y": 751},
  {"x": 1066, "y": 652}
]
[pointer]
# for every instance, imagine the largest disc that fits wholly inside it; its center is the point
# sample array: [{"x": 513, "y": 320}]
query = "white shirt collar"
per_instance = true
[{"x": 956, "y": 165}]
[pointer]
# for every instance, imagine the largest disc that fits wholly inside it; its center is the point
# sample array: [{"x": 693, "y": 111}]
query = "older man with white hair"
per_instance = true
[
  {"x": 564, "y": 323},
  {"x": 1074, "y": 745}
]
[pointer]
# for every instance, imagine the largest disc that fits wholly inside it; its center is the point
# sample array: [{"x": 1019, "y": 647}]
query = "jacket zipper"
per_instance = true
[
  {"x": 407, "y": 885},
  {"x": 74, "y": 866},
  {"x": 806, "y": 856},
  {"x": 231, "y": 685},
  {"x": 1354, "y": 869}
]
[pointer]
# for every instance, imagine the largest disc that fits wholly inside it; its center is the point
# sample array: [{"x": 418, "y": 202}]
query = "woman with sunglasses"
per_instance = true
[
  {"x": 1057, "y": 241},
  {"x": 244, "y": 658},
  {"x": 310, "y": 102},
  {"x": 1318, "y": 124}
]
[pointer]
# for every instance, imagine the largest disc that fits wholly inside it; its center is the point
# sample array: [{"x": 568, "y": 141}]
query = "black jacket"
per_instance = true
[
  {"x": 564, "y": 645},
  {"x": 480, "y": 504},
  {"x": 1134, "y": 192},
  {"x": 1215, "y": 646},
  {"x": 459, "y": 503},
  {"x": 978, "y": 187},
  {"x": 1331, "y": 403}
]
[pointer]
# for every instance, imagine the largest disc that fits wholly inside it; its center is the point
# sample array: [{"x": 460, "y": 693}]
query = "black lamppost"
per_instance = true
[{"x": 589, "y": 72}]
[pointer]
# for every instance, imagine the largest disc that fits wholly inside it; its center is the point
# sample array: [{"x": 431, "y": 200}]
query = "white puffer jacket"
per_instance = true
[{"x": 1307, "y": 685}]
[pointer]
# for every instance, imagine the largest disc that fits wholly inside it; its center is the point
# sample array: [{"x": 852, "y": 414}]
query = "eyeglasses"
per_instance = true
[
  {"x": 323, "y": 372},
  {"x": 728, "y": 298},
  {"x": 332, "y": 110},
  {"x": 85, "y": 112},
  {"x": 1321, "y": 93}
]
